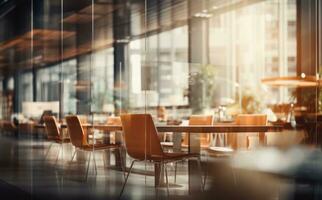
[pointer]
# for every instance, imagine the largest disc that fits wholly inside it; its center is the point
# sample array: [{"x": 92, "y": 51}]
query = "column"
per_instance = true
[
  {"x": 198, "y": 56},
  {"x": 121, "y": 34}
]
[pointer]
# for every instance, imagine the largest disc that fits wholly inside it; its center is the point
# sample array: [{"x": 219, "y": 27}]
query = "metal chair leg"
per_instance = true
[
  {"x": 95, "y": 166},
  {"x": 60, "y": 150},
  {"x": 166, "y": 177},
  {"x": 161, "y": 173},
  {"x": 175, "y": 172},
  {"x": 127, "y": 177},
  {"x": 89, "y": 161},
  {"x": 47, "y": 153},
  {"x": 206, "y": 172},
  {"x": 122, "y": 163},
  {"x": 200, "y": 170},
  {"x": 73, "y": 156}
]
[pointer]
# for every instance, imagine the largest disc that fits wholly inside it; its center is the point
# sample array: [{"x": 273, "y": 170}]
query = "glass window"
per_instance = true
[
  {"x": 69, "y": 89},
  {"x": 26, "y": 87},
  {"x": 103, "y": 80},
  {"x": 163, "y": 78},
  {"x": 250, "y": 43},
  {"x": 48, "y": 84}
]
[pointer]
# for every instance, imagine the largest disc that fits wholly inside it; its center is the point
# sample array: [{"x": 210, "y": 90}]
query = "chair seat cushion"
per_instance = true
[
  {"x": 221, "y": 149},
  {"x": 180, "y": 155},
  {"x": 170, "y": 144},
  {"x": 90, "y": 147},
  {"x": 170, "y": 157},
  {"x": 201, "y": 146}
]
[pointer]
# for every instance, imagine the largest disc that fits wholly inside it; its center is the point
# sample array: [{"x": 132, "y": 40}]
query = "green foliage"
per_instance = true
[
  {"x": 204, "y": 80},
  {"x": 250, "y": 102}
]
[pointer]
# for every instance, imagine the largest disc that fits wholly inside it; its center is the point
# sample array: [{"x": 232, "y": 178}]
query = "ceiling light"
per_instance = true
[{"x": 203, "y": 15}]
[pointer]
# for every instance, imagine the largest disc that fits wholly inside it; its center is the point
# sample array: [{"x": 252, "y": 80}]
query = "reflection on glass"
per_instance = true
[{"x": 187, "y": 63}]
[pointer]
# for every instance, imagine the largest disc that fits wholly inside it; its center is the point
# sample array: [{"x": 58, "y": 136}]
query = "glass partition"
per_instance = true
[{"x": 187, "y": 63}]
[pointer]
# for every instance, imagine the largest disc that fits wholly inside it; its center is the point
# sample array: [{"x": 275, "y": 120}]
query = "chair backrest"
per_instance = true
[
  {"x": 200, "y": 120},
  {"x": 51, "y": 127},
  {"x": 251, "y": 119},
  {"x": 75, "y": 130},
  {"x": 238, "y": 141},
  {"x": 141, "y": 138}
]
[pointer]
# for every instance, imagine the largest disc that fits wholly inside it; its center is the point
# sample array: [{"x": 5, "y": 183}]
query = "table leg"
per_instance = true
[
  {"x": 107, "y": 140},
  {"x": 158, "y": 180},
  {"x": 118, "y": 157},
  {"x": 261, "y": 138},
  {"x": 193, "y": 170},
  {"x": 177, "y": 137},
  {"x": 159, "y": 169}
]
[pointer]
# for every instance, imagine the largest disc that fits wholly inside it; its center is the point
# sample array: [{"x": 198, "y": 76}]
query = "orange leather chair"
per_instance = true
[
  {"x": 204, "y": 137},
  {"x": 143, "y": 144},
  {"x": 54, "y": 134},
  {"x": 242, "y": 140},
  {"x": 52, "y": 130},
  {"x": 79, "y": 141}
]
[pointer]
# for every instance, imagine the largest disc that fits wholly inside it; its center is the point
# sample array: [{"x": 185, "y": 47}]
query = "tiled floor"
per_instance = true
[
  {"x": 26, "y": 174},
  {"x": 23, "y": 168}
]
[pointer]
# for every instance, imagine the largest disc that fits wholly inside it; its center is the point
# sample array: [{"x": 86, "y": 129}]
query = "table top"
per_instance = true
[{"x": 217, "y": 128}]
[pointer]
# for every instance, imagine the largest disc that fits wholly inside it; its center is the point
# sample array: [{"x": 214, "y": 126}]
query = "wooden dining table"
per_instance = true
[
  {"x": 216, "y": 128},
  {"x": 194, "y": 131}
]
